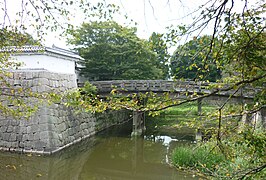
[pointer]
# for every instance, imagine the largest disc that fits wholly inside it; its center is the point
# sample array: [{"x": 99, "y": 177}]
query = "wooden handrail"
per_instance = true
[{"x": 160, "y": 86}]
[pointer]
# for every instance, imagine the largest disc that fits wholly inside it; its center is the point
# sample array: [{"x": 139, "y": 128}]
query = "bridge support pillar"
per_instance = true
[
  {"x": 138, "y": 123},
  {"x": 256, "y": 120},
  {"x": 198, "y": 136},
  {"x": 200, "y": 106}
]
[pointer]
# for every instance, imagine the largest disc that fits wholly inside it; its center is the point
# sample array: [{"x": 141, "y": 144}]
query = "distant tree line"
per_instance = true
[{"x": 113, "y": 52}]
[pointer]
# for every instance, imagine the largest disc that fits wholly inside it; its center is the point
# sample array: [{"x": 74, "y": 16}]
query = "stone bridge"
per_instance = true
[
  {"x": 161, "y": 86},
  {"x": 178, "y": 89}
]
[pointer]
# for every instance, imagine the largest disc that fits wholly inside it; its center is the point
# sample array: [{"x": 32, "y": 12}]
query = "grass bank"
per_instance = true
[
  {"x": 199, "y": 158},
  {"x": 241, "y": 155},
  {"x": 179, "y": 120}
]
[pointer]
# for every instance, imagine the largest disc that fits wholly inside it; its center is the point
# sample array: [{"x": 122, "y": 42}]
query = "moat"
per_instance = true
[{"x": 111, "y": 154}]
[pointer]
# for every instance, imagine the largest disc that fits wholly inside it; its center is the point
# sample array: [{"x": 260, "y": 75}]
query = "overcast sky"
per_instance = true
[
  {"x": 156, "y": 15},
  {"x": 150, "y": 15}
]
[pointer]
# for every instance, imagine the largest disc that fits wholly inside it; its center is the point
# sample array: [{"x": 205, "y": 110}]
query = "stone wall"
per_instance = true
[{"x": 54, "y": 126}]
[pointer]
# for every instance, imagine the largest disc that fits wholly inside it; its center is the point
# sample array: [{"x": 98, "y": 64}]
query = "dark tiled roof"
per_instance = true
[
  {"x": 22, "y": 49},
  {"x": 40, "y": 49}
]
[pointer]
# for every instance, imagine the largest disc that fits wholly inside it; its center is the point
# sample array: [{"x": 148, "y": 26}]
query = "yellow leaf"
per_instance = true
[{"x": 11, "y": 167}]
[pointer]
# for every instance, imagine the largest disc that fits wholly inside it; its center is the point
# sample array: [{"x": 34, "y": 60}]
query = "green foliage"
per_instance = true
[
  {"x": 111, "y": 51},
  {"x": 190, "y": 108},
  {"x": 236, "y": 47},
  {"x": 194, "y": 60},
  {"x": 249, "y": 43},
  {"x": 15, "y": 38},
  {"x": 158, "y": 45},
  {"x": 183, "y": 110},
  {"x": 46, "y": 16},
  {"x": 89, "y": 88},
  {"x": 200, "y": 158},
  {"x": 182, "y": 156},
  {"x": 245, "y": 159},
  {"x": 14, "y": 101},
  {"x": 245, "y": 155},
  {"x": 255, "y": 141}
]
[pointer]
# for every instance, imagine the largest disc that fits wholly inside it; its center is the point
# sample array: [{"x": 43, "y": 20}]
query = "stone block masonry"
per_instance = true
[{"x": 54, "y": 126}]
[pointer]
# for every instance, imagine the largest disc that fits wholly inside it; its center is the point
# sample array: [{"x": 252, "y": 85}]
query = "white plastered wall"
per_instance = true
[{"x": 43, "y": 61}]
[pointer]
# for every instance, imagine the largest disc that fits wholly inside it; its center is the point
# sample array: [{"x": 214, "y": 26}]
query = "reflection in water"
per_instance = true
[{"x": 110, "y": 155}]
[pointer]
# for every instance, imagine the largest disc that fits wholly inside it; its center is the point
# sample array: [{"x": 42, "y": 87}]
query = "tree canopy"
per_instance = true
[
  {"x": 111, "y": 51},
  {"x": 159, "y": 46},
  {"x": 16, "y": 38},
  {"x": 189, "y": 61}
]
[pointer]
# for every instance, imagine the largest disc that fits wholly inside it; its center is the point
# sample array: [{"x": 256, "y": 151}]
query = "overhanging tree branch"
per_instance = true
[{"x": 246, "y": 81}]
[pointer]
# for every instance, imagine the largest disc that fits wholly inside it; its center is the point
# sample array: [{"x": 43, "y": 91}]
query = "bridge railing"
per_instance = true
[
  {"x": 166, "y": 86},
  {"x": 149, "y": 85}
]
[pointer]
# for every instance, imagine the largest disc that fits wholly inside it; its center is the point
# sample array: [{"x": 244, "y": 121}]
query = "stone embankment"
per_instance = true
[{"x": 54, "y": 126}]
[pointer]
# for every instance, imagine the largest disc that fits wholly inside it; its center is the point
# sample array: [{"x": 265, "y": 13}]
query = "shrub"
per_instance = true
[
  {"x": 182, "y": 157},
  {"x": 245, "y": 154},
  {"x": 199, "y": 158}
]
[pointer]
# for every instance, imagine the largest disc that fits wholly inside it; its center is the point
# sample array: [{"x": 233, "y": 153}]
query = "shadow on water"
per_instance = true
[{"x": 111, "y": 154}]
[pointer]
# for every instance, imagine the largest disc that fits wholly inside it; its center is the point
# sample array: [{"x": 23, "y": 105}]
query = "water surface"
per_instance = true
[{"x": 112, "y": 154}]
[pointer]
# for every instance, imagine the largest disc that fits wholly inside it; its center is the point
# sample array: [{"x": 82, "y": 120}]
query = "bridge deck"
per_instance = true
[{"x": 160, "y": 86}]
